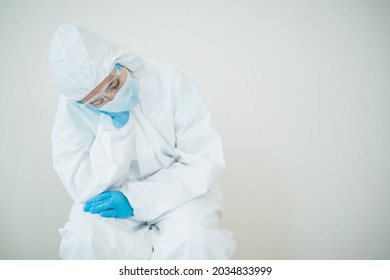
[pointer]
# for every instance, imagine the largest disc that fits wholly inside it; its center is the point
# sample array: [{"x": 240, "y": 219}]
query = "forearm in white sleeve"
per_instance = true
[{"x": 88, "y": 164}]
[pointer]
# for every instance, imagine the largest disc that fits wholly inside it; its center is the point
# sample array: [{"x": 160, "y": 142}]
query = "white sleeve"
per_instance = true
[
  {"x": 199, "y": 165},
  {"x": 89, "y": 153}
]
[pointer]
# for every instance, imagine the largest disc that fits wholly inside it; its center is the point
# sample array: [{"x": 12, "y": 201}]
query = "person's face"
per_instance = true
[{"x": 111, "y": 90}]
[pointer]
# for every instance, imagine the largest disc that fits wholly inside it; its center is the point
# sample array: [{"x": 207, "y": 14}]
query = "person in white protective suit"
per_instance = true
[{"x": 133, "y": 146}]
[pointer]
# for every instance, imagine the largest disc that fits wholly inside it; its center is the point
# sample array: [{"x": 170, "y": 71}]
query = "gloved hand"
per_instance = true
[
  {"x": 118, "y": 119},
  {"x": 109, "y": 204}
]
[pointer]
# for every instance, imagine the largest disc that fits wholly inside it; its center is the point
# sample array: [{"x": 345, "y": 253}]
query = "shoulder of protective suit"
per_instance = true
[{"x": 162, "y": 67}]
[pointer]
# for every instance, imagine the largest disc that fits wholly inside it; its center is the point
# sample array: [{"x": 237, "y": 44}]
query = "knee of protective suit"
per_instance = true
[
  {"x": 179, "y": 229},
  {"x": 178, "y": 239},
  {"x": 185, "y": 239},
  {"x": 76, "y": 239}
]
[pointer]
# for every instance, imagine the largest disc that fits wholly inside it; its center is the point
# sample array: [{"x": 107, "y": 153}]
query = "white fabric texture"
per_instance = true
[{"x": 167, "y": 160}]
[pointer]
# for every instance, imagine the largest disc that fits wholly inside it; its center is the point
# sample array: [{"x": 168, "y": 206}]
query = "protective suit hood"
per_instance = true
[{"x": 81, "y": 59}]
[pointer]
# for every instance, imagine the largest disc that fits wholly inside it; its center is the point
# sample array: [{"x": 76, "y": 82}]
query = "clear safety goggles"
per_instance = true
[{"x": 108, "y": 92}]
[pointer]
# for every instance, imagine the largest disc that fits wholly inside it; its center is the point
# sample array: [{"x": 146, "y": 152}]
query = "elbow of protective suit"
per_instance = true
[
  {"x": 210, "y": 177},
  {"x": 204, "y": 171}
]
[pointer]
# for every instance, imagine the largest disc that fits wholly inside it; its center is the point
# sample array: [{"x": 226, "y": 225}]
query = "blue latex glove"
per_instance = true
[
  {"x": 118, "y": 119},
  {"x": 109, "y": 204}
]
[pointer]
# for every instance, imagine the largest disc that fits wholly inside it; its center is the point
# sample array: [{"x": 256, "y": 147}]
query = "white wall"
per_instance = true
[{"x": 299, "y": 91}]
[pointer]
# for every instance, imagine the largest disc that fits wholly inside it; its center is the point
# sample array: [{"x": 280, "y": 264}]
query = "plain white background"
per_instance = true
[{"x": 299, "y": 91}]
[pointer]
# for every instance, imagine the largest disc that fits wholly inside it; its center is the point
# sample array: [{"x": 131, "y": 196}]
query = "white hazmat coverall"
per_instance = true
[{"x": 166, "y": 160}]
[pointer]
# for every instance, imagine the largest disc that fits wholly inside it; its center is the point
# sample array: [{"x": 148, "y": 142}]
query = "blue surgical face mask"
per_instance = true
[{"x": 125, "y": 99}]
